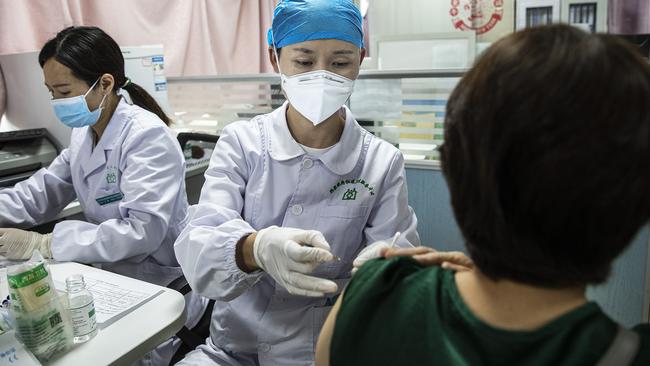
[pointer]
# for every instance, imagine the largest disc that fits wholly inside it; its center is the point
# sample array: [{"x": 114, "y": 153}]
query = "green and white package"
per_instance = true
[{"x": 41, "y": 321}]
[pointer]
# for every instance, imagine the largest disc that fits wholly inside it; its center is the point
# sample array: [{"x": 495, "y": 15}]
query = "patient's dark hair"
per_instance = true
[
  {"x": 547, "y": 155},
  {"x": 89, "y": 52}
]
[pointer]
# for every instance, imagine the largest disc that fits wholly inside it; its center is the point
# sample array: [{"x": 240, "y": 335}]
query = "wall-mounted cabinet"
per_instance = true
[
  {"x": 532, "y": 13},
  {"x": 590, "y": 15}
]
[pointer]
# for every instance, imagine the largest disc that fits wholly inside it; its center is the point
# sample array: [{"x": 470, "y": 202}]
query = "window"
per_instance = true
[
  {"x": 405, "y": 108},
  {"x": 583, "y": 14},
  {"x": 539, "y": 16},
  {"x": 532, "y": 13}
]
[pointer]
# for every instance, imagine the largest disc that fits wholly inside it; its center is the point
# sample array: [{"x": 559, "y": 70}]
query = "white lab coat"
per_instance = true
[
  {"x": 137, "y": 158},
  {"x": 131, "y": 187},
  {"x": 355, "y": 194}
]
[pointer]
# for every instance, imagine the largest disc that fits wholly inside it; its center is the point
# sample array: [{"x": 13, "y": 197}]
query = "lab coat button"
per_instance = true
[
  {"x": 307, "y": 163},
  {"x": 264, "y": 347},
  {"x": 296, "y": 209}
]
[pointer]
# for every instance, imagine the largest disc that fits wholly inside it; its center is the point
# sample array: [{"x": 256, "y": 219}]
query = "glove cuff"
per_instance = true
[
  {"x": 46, "y": 246},
  {"x": 258, "y": 244}
]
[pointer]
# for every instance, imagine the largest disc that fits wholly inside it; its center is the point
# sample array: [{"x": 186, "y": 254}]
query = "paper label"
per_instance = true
[
  {"x": 83, "y": 320},
  {"x": 27, "y": 278}
]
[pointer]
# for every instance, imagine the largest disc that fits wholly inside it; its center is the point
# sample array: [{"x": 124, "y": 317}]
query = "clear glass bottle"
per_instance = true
[{"x": 82, "y": 309}]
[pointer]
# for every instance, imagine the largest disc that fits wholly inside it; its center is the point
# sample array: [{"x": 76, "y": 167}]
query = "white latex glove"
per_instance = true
[
  {"x": 371, "y": 251},
  {"x": 20, "y": 244},
  {"x": 287, "y": 254}
]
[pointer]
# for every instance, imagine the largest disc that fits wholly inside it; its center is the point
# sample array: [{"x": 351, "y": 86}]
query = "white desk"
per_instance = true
[
  {"x": 130, "y": 337},
  {"x": 197, "y": 166}
]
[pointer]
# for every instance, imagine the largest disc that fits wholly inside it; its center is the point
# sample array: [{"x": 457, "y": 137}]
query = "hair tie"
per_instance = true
[{"x": 126, "y": 83}]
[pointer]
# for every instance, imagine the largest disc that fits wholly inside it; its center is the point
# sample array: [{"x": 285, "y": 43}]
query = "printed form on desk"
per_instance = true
[{"x": 115, "y": 296}]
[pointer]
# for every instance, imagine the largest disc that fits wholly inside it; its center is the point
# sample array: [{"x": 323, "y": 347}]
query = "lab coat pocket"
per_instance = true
[
  {"x": 344, "y": 211},
  {"x": 106, "y": 205},
  {"x": 108, "y": 197},
  {"x": 343, "y": 227}
]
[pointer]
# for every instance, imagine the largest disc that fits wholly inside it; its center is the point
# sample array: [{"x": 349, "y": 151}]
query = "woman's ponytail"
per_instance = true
[{"x": 142, "y": 99}]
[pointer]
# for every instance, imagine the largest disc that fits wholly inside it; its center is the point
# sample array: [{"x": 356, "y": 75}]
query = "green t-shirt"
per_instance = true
[{"x": 396, "y": 312}]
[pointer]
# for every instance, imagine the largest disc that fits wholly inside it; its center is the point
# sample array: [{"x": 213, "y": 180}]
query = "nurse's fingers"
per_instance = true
[
  {"x": 311, "y": 284},
  {"x": 300, "y": 292},
  {"x": 301, "y": 253},
  {"x": 455, "y": 267},
  {"x": 402, "y": 252},
  {"x": 426, "y": 256},
  {"x": 302, "y": 267},
  {"x": 313, "y": 238},
  {"x": 438, "y": 258}
]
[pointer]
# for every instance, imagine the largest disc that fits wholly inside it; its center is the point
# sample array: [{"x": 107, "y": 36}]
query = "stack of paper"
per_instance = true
[{"x": 114, "y": 295}]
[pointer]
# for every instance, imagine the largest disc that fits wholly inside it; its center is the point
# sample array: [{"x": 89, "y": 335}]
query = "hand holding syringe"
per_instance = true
[{"x": 373, "y": 251}]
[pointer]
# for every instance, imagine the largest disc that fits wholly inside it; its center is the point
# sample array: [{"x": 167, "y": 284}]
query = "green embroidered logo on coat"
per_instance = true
[
  {"x": 362, "y": 182},
  {"x": 111, "y": 174},
  {"x": 350, "y": 195},
  {"x": 111, "y": 177}
]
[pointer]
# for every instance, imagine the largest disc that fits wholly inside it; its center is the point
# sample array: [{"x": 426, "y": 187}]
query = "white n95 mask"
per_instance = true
[{"x": 317, "y": 94}]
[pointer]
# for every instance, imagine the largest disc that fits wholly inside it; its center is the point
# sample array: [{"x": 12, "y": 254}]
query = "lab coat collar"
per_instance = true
[
  {"x": 344, "y": 156},
  {"x": 282, "y": 145},
  {"x": 115, "y": 126},
  {"x": 341, "y": 159},
  {"x": 110, "y": 136}
]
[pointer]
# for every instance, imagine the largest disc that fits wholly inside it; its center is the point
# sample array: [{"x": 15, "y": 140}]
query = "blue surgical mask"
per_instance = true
[{"x": 73, "y": 112}]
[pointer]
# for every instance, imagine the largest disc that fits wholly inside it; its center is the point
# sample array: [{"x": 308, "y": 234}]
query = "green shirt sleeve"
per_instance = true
[
  {"x": 365, "y": 310},
  {"x": 396, "y": 312},
  {"x": 643, "y": 355}
]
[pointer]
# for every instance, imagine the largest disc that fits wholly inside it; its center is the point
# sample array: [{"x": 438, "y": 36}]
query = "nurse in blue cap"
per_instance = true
[{"x": 293, "y": 199}]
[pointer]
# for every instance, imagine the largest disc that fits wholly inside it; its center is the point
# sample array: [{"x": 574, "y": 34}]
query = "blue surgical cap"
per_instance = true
[{"x": 296, "y": 21}]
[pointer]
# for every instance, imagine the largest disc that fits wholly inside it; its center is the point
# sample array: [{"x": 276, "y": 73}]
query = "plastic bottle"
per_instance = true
[{"x": 82, "y": 309}]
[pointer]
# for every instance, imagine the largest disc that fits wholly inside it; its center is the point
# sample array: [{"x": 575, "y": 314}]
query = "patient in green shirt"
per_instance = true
[{"x": 547, "y": 159}]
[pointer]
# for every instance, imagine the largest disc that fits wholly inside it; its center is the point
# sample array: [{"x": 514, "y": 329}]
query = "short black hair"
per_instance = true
[{"x": 547, "y": 155}]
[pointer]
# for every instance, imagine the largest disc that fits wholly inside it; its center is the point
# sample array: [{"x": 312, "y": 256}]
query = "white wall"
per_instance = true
[
  {"x": 391, "y": 17},
  {"x": 409, "y": 17},
  {"x": 28, "y": 101}
]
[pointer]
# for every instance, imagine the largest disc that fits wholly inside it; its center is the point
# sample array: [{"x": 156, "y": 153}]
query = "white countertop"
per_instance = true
[{"x": 130, "y": 337}]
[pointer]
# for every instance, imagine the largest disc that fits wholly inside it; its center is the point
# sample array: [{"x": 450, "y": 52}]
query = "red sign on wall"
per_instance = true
[{"x": 479, "y": 16}]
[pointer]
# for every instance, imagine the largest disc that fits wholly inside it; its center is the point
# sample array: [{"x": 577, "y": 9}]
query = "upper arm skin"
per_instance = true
[{"x": 326, "y": 333}]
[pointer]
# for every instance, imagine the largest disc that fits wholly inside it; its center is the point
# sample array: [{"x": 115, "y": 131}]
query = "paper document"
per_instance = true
[{"x": 117, "y": 296}]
